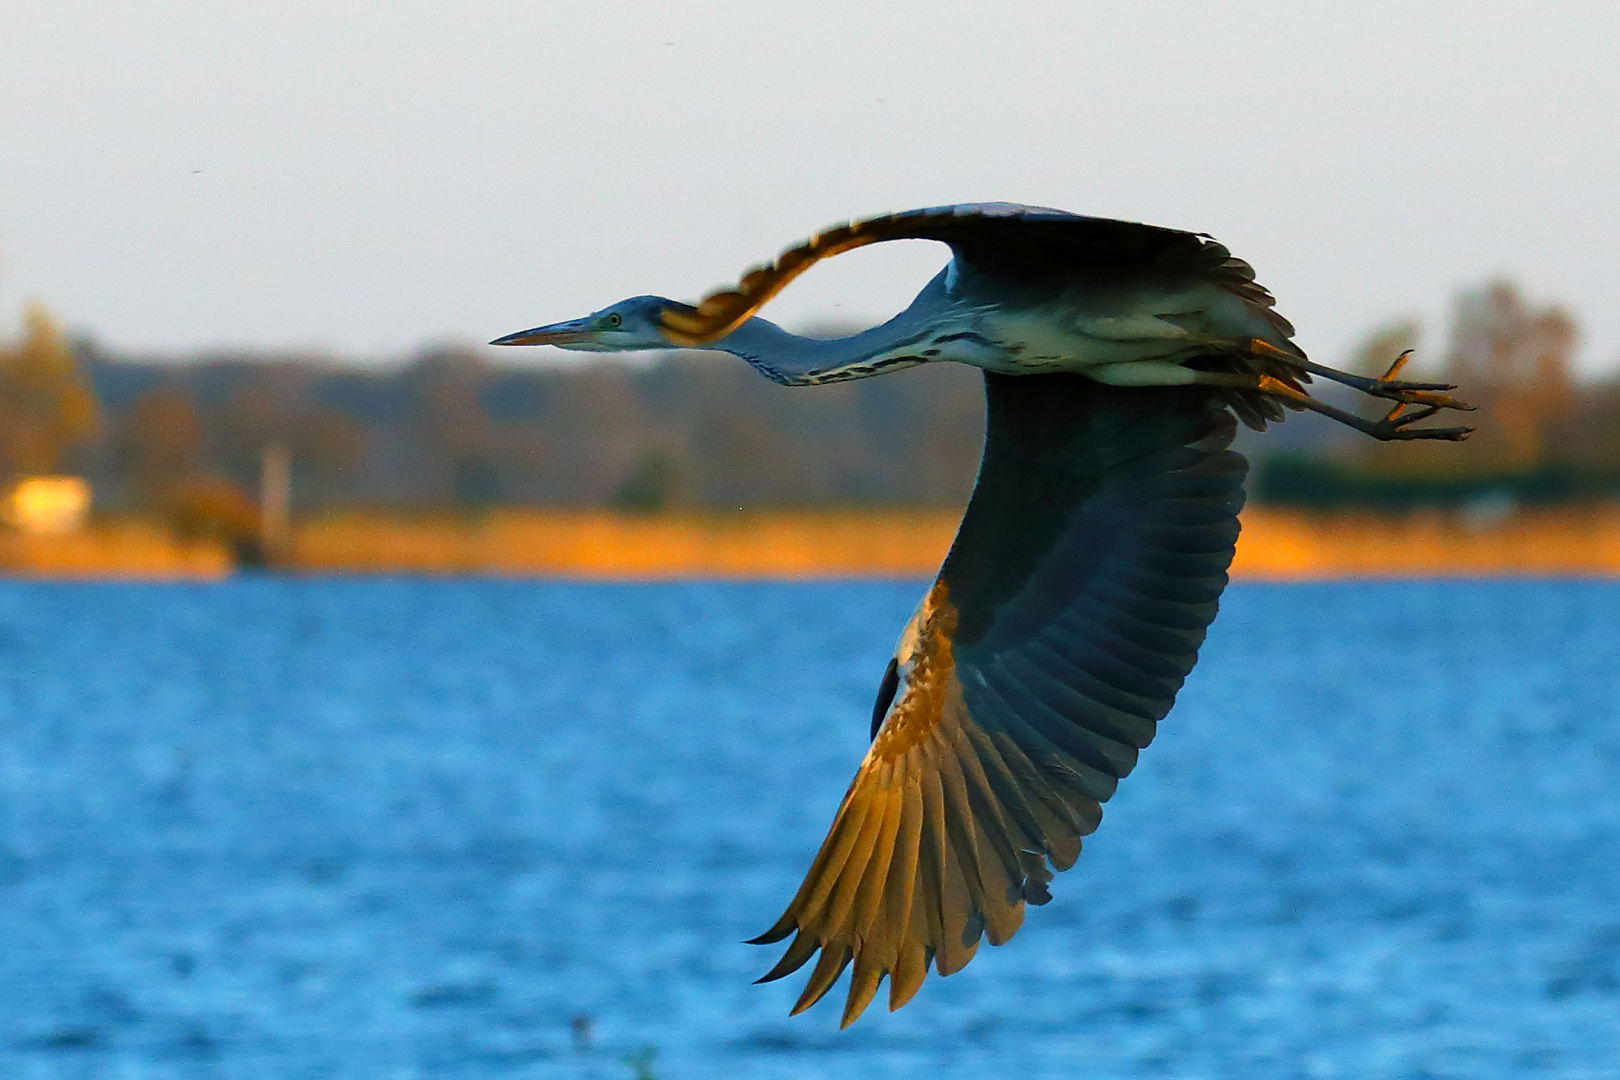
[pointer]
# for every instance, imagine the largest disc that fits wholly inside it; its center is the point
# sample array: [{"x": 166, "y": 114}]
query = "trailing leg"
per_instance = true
[
  {"x": 1387, "y": 386},
  {"x": 1395, "y": 425}
]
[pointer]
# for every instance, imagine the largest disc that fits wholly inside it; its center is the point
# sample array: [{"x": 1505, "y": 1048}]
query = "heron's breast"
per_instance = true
[{"x": 1032, "y": 343}]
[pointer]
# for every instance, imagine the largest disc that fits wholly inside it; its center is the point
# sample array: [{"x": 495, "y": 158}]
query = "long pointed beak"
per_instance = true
[{"x": 572, "y": 332}]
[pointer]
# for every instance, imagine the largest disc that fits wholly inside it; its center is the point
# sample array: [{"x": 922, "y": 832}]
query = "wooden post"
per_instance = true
[{"x": 275, "y": 501}]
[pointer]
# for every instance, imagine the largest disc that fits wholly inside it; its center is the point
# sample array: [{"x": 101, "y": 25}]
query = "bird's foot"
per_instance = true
[
  {"x": 1428, "y": 394},
  {"x": 1427, "y": 397},
  {"x": 1395, "y": 424},
  {"x": 1386, "y": 386}
]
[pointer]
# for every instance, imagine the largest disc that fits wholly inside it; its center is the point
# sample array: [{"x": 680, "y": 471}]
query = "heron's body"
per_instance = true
[
  {"x": 1124, "y": 337},
  {"x": 1129, "y": 350},
  {"x": 1086, "y": 570}
]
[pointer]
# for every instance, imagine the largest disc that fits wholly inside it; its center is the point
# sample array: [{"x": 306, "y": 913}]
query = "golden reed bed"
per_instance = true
[{"x": 1276, "y": 545}]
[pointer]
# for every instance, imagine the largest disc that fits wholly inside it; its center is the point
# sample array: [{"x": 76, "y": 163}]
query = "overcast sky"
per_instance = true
[{"x": 364, "y": 178}]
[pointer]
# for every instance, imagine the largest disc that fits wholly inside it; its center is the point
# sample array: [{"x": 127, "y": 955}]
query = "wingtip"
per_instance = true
[
  {"x": 863, "y": 987},
  {"x": 780, "y": 929},
  {"x": 831, "y": 965},
  {"x": 804, "y": 946}
]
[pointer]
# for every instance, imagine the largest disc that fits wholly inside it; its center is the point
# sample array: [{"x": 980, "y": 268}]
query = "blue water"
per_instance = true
[{"x": 377, "y": 829}]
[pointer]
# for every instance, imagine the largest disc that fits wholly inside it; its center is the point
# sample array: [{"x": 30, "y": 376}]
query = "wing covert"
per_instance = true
[
  {"x": 1071, "y": 607},
  {"x": 1004, "y": 240}
]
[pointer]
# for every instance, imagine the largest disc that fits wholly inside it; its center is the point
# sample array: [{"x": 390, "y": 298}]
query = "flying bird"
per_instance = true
[{"x": 1117, "y": 358}]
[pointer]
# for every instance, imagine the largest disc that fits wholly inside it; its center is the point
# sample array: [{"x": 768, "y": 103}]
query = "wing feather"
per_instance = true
[
  {"x": 1042, "y": 705},
  {"x": 888, "y": 935},
  {"x": 936, "y": 883},
  {"x": 1096, "y": 731},
  {"x": 1005, "y": 240},
  {"x": 825, "y": 872},
  {"x": 962, "y": 836},
  {"x": 834, "y": 959},
  {"x": 840, "y": 900},
  {"x": 1056, "y": 827},
  {"x": 998, "y": 841},
  {"x": 1015, "y": 791},
  {"x": 1100, "y": 662},
  {"x": 803, "y": 947},
  {"x": 863, "y": 984},
  {"x": 964, "y": 888},
  {"x": 875, "y": 876},
  {"x": 999, "y": 704},
  {"x": 1125, "y": 716},
  {"x": 908, "y": 975},
  {"x": 1066, "y": 617}
]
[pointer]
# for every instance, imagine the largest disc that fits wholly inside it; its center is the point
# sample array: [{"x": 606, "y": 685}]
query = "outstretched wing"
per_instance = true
[
  {"x": 1005, "y": 240},
  {"x": 1068, "y": 612}
]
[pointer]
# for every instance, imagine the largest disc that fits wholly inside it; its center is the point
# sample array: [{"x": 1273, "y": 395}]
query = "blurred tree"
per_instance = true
[
  {"x": 599, "y": 425},
  {"x": 205, "y": 506},
  {"x": 47, "y": 409},
  {"x": 161, "y": 454},
  {"x": 1377, "y": 351},
  {"x": 1535, "y": 438},
  {"x": 1514, "y": 361},
  {"x": 927, "y": 427},
  {"x": 323, "y": 442},
  {"x": 160, "y": 441},
  {"x": 329, "y": 442},
  {"x": 652, "y": 486},
  {"x": 1587, "y": 436},
  {"x": 253, "y": 417},
  {"x": 743, "y": 459},
  {"x": 455, "y": 426}
]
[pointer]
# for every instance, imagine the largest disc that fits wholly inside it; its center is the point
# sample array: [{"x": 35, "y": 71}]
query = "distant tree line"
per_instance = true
[{"x": 452, "y": 429}]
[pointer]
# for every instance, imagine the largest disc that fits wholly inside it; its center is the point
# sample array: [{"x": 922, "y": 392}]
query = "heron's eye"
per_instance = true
[{"x": 615, "y": 320}]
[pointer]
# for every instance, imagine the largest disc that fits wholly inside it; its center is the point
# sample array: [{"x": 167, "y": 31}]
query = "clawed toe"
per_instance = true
[
  {"x": 1397, "y": 425},
  {"x": 1403, "y": 384},
  {"x": 1389, "y": 388},
  {"x": 1427, "y": 394},
  {"x": 1443, "y": 434},
  {"x": 1394, "y": 425}
]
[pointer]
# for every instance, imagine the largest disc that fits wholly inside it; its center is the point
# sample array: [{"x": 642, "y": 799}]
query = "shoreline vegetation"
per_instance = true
[
  {"x": 1277, "y": 544},
  {"x": 458, "y": 462}
]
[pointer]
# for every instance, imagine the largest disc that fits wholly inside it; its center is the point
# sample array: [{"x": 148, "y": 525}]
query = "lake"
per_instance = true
[{"x": 465, "y": 829}]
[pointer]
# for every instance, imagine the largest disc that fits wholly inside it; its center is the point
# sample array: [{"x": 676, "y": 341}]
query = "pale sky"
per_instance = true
[{"x": 366, "y": 178}]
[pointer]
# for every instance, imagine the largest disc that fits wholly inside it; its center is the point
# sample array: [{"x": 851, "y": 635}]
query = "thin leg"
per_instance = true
[
  {"x": 1395, "y": 425},
  {"x": 1387, "y": 387}
]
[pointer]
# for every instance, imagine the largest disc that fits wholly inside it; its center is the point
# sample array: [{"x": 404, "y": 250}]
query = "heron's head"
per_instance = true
[{"x": 627, "y": 326}]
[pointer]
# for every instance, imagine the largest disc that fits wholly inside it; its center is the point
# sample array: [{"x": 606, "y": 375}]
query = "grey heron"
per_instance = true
[{"x": 1117, "y": 359}]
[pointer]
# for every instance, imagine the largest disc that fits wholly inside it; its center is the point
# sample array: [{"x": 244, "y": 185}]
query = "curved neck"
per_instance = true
[{"x": 798, "y": 361}]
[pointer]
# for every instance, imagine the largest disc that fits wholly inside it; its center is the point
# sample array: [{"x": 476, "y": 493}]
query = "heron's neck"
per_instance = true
[{"x": 908, "y": 339}]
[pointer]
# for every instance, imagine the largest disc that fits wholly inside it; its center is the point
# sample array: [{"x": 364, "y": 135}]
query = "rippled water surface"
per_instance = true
[{"x": 414, "y": 829}]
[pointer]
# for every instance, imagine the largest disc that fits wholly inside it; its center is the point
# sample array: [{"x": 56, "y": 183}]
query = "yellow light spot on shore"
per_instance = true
[{"x": 47, "y": 505}]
